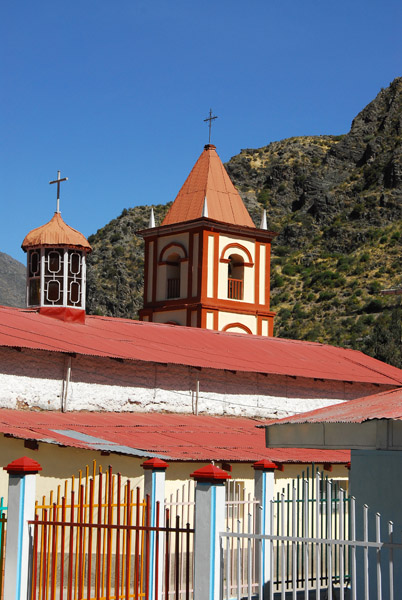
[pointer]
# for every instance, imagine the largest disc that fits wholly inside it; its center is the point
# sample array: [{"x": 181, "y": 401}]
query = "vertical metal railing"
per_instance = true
[
  {"x": 312, "y": 505},
  {"x": 314, "y": 551},
  {"x": 173, "y": 288},
  {"x": 181, "y": 505},
  {"x": 96, "y": 541},
  {"x": 235, "y": 289},
  {"x": 241, "y": 510}
]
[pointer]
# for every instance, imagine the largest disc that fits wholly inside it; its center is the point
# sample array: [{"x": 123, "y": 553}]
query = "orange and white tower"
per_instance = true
[
  {"x": 207, "y": 265},
  {"x": 56, "y": 268}
]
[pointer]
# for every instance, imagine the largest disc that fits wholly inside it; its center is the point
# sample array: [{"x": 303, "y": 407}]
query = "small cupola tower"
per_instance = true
[
  {"x": 56, "y": 268},
  {"x": 207, "y": 265}
]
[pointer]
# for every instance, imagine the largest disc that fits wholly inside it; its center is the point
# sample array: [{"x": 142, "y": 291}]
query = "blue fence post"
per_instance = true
[{"x": 21, "y": 509}]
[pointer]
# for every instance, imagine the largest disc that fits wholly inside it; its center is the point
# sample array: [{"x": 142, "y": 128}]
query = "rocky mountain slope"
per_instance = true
[
  {"x": 12, "y": 281},
  {"x": 336, "y": 202}
]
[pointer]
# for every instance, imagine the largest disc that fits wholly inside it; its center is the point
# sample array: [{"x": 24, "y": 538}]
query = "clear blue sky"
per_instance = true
[{"x": 114, "y": 93}]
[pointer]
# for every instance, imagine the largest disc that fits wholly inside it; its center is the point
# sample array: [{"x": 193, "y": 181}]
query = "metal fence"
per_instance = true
[
  {"x": 98, "y": 540},
  {"x": 240, "y": 516},
  {"x": 312, "y": 551},
  {"x": 310, "y": 506}
]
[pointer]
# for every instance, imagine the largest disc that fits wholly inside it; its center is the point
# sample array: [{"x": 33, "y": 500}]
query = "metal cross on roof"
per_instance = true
[
  {"x": 58, "y": 181},
  {"x": 210, "y": 119}
]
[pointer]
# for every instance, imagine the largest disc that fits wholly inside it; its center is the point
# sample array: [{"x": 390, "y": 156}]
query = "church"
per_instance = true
[{"x": 200, "y": 368}]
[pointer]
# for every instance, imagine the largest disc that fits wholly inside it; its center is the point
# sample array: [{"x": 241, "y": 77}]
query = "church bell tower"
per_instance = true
[
  {"x": 207, "y": 265},
  {"x": 56, "y": 269}
]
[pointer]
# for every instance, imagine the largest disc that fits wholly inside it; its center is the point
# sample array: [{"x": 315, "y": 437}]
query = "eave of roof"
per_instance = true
[
  {"x": 190, "y": 346},
  {"x": 187, "y": 438},
  {"x": 370, "y": 423},
  {"x": 210, "y": 225}
]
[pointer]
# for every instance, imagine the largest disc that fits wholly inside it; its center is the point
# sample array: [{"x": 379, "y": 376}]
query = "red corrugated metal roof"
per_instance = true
[
  {"x": 174, "y": 437},
  {"x": 385, "y": 405},
  {"x": 154, "y": 342},
  {"x": 209, "y": 179}
]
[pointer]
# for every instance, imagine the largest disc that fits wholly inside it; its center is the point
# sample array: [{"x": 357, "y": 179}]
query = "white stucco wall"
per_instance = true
[{"x": 34, "y": 379}]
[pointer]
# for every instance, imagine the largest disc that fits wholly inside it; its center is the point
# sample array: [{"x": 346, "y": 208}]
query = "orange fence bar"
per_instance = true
[{"x": 96, "y": 545}]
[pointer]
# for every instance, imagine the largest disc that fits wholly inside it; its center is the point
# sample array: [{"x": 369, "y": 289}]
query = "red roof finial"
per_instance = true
[
  {"x": 154, "y": 463},
  {"x": 264, "y": 465},
  {"x": 210, "y": 473},
  {"x": 23, "y": 465}
]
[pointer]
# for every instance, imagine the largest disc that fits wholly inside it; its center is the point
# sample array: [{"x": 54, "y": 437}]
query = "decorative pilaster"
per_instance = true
[
  {"x": 21, "y": 509},
  {"x": 154, "y": 488},
  {"x": 264, "y": 481},
  {"x": 209, "y": 523}
]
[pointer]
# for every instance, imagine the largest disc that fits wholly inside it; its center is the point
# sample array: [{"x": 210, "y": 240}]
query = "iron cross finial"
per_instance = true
[
  {"x": 58, "y": 181},
  {"x": 210, "y": 119}
]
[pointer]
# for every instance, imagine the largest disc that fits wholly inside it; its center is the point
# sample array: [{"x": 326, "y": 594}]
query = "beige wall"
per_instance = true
[
  {"x": 263, "y": 274},
  {"x": 225, "y": 318},
  {"x": 196, "y": 242},
  {"x": 249, "y": 272},
  {"x": 209, "y": 320},
  {"x": 179, "y": 316},
  {"x": 150, "y": 270},
  {"x": 60, "y": 464},
  {"x": 210, "y": 270},
  {"x": 161, "y": 285}
]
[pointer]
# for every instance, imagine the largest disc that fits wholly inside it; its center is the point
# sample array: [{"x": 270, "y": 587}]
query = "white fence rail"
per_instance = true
[{"x": 306, "y": 562}]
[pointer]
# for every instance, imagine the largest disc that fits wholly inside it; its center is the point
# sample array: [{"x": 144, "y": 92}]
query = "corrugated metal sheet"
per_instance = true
[
  {"x": 173, "y": 437},
  {"x": 154, "y": 342},
  {"x": 385, "y": 405}
]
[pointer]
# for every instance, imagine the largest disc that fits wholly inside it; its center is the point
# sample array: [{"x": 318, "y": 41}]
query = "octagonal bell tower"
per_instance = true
[{"x": 56, "y": 268}]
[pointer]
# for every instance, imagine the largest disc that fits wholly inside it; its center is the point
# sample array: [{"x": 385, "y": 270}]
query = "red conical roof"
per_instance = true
[
  {"x": 209, "y": 179},
  {"x": 55, "y": 233}
]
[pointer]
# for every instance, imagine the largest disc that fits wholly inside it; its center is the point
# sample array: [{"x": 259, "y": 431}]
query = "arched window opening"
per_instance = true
[
  {"x": 173, "y": 276},
  {"x": 235, "y": 277},
  {"x": 74, "y": 278},
  {"x": 54, "y": 277},
  {"x": 34, "y": 260}
]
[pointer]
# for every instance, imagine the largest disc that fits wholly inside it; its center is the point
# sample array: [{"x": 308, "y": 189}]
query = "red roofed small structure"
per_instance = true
[{"x": 372, "y": 422}]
